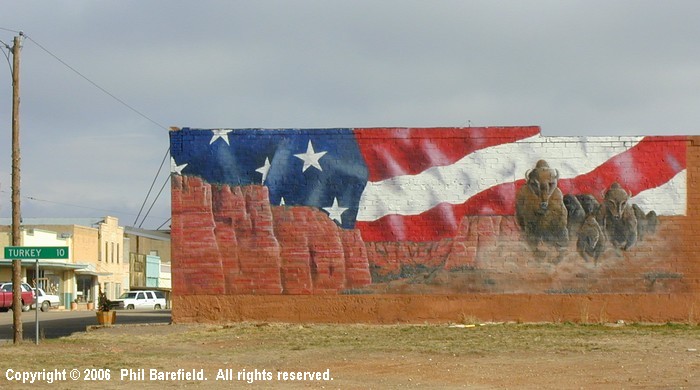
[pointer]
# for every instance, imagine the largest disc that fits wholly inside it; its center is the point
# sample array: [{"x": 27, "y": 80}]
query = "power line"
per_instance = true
[
  {"x": 154, "y": 200},
  {"x": 10, "y": 30},
  {"x": 125, "y": 104},
  {"x": 7, "y": 56},
  {"x": 122, "y": 102},
  {"x": 167, "y": 152},
  {"x": 169, "y": 219},
  {"x": 77, "y": 206},
  {"x": 6, "y": 53}
]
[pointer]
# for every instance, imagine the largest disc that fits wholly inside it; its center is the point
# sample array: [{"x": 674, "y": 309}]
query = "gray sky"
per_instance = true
[{"x": 571, "y": 67}]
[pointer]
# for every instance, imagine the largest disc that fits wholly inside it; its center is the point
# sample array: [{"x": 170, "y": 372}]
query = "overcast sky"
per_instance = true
[{"x": 571, "y": 67}]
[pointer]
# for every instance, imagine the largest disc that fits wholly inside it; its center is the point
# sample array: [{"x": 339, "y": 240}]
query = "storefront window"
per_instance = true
[{"x": 85, "y": 283}]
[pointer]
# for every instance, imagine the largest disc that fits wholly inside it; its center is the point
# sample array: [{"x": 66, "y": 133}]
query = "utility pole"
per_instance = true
[{"x": 16, "y": 263}]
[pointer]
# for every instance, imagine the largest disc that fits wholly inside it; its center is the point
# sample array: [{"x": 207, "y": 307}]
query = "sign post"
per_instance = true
[
  {"x": 36, "y": 253},
  {"x": 36, "y": 304}
]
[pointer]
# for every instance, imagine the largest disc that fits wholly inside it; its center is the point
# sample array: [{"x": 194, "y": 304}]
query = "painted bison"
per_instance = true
[
  {"x": 540, "y": 210},
  {"x": 617, "y": 218},
  {"x": 575, "y": 214},
  {"x": 591, "y": 239},
  {"x": 646, "y": 223}
]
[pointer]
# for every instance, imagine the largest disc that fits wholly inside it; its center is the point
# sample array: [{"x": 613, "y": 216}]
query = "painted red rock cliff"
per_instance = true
[{"x": 230, "y": 240}]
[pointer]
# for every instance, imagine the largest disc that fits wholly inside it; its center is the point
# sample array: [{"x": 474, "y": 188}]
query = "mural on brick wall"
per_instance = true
[{"x": 420, "y": 211}]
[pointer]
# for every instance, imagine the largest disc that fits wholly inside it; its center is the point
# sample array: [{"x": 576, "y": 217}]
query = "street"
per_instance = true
[{"x": 59, "y": 323}]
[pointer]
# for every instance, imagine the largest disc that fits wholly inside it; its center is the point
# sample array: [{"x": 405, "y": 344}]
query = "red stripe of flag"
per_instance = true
[{"x": 390, "y": 152}]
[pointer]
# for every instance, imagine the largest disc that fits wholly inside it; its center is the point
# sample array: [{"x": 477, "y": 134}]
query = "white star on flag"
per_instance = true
[
  {"x": 335, "y": 211},
  {"x": 174, "y": 168},
  {"x": 282, "y": 203},
  {"x": 264, "y": 169},
  {"x": 310, "y": 158},
  {"x": 220, "y": 133}
]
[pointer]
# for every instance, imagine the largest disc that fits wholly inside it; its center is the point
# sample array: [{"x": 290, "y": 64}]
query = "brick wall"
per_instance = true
[{"x": 237, "y": 243}]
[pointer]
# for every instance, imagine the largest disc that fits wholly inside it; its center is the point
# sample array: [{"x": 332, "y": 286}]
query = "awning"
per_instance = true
[
  {"x": 45, "y": 264},
  {"x": 89, "y": 269}
]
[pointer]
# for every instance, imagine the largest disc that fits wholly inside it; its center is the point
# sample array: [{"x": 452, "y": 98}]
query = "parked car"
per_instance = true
[
  {"x": 139, "y": 300},
  {"x": 44, "y": 300},
  {"x": 6, "y": 296}
]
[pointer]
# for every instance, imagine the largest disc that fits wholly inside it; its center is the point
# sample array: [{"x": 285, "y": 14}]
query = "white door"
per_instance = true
[{"x": 140, "y": 300}]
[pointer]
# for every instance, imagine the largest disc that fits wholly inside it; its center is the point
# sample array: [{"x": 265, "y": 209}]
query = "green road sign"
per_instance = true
[{"x": 36, "y": 252}]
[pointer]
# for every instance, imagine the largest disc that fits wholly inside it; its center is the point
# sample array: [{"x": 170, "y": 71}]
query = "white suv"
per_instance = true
[
  {"x": 140, "y": 300},
  {"x": 45, "y": 301}
]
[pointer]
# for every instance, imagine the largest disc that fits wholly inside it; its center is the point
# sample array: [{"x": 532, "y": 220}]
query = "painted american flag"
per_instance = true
[{"x": 416, "y": 184}]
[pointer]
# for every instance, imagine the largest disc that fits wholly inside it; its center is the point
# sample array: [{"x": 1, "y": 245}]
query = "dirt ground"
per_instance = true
[{"x": 263, "y": 355}]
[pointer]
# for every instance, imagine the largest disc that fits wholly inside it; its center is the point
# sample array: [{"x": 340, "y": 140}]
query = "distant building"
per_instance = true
[
  {"x": 96, "y": 256},
  {"x": 149, "y": 259},
  {"x": 100, "y": 253},
  {"x": 55, "y": 276}
]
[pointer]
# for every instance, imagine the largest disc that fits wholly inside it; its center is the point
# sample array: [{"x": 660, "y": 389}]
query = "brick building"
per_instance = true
[{"x": 430, "y": 224}]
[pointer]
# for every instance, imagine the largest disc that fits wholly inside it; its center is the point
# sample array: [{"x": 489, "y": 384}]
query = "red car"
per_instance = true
[{"x": 6, "y": 296}]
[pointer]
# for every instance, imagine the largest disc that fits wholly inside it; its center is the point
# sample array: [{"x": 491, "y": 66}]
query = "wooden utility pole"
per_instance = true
[{"x": 16, "y": 264}]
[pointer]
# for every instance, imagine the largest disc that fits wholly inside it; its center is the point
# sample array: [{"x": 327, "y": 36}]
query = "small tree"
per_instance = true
[{"x": 103, "y": 304}]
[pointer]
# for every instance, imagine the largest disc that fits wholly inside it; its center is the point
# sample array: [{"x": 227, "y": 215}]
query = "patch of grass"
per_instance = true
[{"x": 281, "y": 344}]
